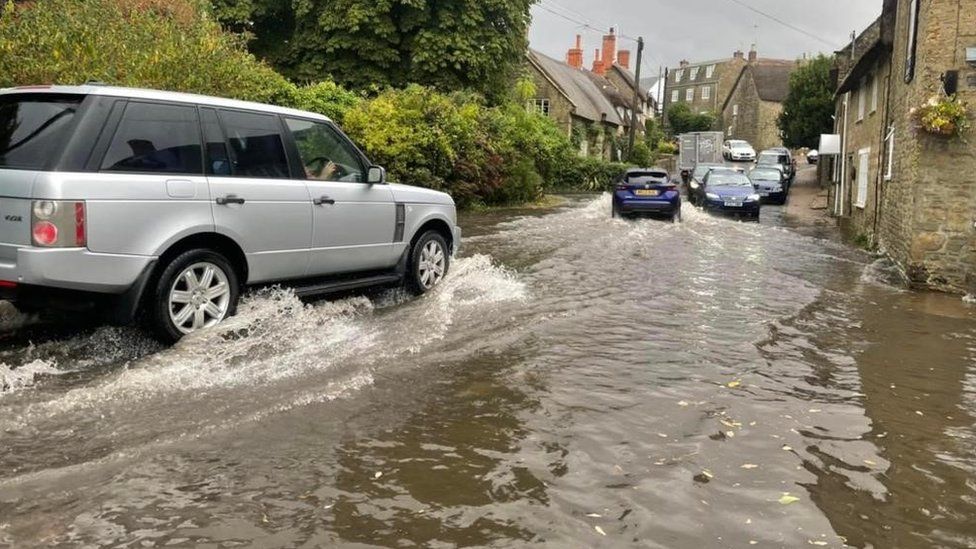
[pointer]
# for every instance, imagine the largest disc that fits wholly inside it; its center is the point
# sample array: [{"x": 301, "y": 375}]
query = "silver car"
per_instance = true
[{"x": 165, "y": 206}]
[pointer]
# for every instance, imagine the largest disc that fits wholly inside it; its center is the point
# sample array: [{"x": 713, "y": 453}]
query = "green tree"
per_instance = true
[
  {"x": 446, "y": 44},
  {"x": 809, "y": 105},
  {"x": 683, "y": 120}
]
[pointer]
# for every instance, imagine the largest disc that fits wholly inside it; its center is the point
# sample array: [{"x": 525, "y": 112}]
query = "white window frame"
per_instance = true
[
  {"x": 863, "y": 171},
  {"x": 874, "y": 94},
  {"x": 890, "y": 163},
  {"x": 675, "y": 96},
  {"x": 735, "y": 110},
  {"x": 541, "y": 106},
  {"x": 709, "y": 71},
  {"x": 693, "y": 73},
  {"x": 706, "y": 92},
  {"x": 861, "y": 100},
  {"x": 678, "y": 75},
  {"x": 690, "y": 94}
]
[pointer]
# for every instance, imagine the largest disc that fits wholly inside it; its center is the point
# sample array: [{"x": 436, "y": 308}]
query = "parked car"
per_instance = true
[
  {"x": 736, "y": 150},
  {"x": 770, "y": 183},
  {"x": 813, "y": 156},
  {"x": 646, "y": 191},
  {"x": 773, "y": 157},
  {"x": 730, "y": 192},
  {"x": 165, "y": 206},
  {"x": 695, "y": 180}
]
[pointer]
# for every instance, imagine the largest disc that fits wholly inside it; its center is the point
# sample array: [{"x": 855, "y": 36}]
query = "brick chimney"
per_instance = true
[
  {"x": 598, "y": 66},
  {"x": 684, "y": 63},
  {"x": 623, "y": 58},
  {"x": 753, "y": 54},
  {"x": 574, "y": 58},
  {"x": 738, "y": 55},
  {"x": 610, "y": 49}
]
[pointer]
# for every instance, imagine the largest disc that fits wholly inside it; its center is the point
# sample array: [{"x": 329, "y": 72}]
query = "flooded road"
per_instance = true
[{"x": 576, "y": 382}]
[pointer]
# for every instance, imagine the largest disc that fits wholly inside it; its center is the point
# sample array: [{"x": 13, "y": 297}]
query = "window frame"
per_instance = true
[
  {"x": 689, "y": 95},
  {"x": 863, "y": 181},
  {"x": 706, "y": 92},
  {"x": 861, "y": 101},
  {"x": 890, "y": 148},
  {"x": 675, "y": 96},
  {"x": 693, "y": 73},
  {"x": 874, "y": 94},
  {"x": 291, "y": 148},
  {"x": 679, "y": 74},
  {"x": 709, "y": 71},
  {"x": 117, "y": 116}
]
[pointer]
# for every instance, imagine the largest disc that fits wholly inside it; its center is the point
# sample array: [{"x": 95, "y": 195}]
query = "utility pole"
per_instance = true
[
  {"x": 636, "y": 105},
  {"x": 659, "y": 96}
]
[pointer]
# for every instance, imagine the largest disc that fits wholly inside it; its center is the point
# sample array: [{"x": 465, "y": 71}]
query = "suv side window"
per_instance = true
[
  {"x": 256, "y": 144},
  {"x": 326, "y": 156},
  {"x": 218, "y": 161},
  {"x": 156, "y": 138}
]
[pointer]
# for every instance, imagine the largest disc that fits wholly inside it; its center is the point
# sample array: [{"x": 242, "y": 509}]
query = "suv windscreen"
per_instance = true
[
  {"x": 765, "y": 175},
  {"x": 34, "y": 127},
  {"x": 770, "y": 159},
  {"x": 642, "y": 178}
]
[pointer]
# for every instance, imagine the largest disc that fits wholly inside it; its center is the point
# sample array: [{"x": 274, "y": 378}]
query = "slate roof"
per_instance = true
[{"x": 590, "y": 101}]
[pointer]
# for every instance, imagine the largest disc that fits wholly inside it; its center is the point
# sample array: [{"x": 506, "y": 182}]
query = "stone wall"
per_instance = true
[
  {"x": 930, "y": 204},
  {"x": 768, "y": 130},
  {"x": 560, "y": 108},
  {"x": 757, "y": 119}
]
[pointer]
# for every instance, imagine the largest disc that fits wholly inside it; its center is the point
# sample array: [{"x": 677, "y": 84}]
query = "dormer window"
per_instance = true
[{"x": 694, "y": 73}]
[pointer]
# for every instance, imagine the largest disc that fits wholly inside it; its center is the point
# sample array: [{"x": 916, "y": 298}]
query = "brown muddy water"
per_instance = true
[{"x": 576, "y": 382}]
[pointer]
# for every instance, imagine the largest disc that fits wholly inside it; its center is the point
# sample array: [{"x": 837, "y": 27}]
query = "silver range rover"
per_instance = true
[{"x": 139, "y": 204}]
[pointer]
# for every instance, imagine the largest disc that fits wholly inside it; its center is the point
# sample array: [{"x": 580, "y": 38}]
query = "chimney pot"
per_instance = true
[
  {"x": 574, "y": 57},
  {"x": 738, "y": 54},
  {"x": 684, "y": 63},
  {"x": 610, "y": 49},
  {"x": 598, "y": 66},
  {"x": 753, "y": 54}
]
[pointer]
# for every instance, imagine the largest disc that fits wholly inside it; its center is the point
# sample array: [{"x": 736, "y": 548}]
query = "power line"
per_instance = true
[{"x": 782, "y": 22}]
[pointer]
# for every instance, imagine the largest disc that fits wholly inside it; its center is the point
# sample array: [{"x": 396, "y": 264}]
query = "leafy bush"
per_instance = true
[
  {"x": 171, "y": 44},
  {"x": 666, "y": 147},
  {"x": 587, "y": 174},
  {"x": 684, "y": 120},
  {"x": 641, "y": 155},
  {"x": 326, "y": 98}
]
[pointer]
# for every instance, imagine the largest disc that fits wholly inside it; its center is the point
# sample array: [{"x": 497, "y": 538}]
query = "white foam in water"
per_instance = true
[
  {"x": 276, "y": 337},
  {"x": 969, "y": 298},
  {"x": 884, "y": 272},
  {"x": 14, "y": 379}
]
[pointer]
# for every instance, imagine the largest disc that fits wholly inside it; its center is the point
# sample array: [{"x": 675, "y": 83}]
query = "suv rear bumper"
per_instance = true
[{"x": 74, "y": 269}]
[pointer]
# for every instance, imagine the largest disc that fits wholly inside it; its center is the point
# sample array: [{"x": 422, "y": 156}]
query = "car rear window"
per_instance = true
[
  {"x": 34, "y": 127},
  {"x": 766, "y": 175},
  {"x": 646, "y": 177},
  {"x": 728, "y": 178}
]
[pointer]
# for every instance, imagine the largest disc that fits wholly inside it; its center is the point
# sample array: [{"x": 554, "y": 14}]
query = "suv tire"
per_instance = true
[
  {"x": 429, "y": 262},
  {"x": 197, "y": 289}
]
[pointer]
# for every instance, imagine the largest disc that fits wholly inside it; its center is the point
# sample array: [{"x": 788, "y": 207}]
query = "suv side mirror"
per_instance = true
[{"x": 376, "y": 175}]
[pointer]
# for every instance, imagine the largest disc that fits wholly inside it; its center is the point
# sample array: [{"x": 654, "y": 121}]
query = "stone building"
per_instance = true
[
  {"x": 706, "y": 85},
  {"x": 578, "y": 103},
  {"x": 752, "y": 109},
  {"x": 910, "y": 193}
]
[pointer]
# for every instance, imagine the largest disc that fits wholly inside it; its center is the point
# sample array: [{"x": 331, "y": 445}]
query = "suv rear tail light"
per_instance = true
[{"x": 58, "y": 224}]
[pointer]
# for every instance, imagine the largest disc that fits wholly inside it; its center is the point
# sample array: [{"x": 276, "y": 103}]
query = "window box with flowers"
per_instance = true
[{"x": 944, "y": 116}]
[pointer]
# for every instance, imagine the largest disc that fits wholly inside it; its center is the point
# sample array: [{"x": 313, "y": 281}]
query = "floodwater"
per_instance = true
[{"x": 576, "y": 382}]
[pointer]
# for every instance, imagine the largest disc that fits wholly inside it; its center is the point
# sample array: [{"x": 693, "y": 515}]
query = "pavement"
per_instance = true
[{"x": 807, "y": 206}]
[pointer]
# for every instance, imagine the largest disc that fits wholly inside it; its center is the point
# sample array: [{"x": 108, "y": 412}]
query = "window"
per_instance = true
[
  {"x": 256, "y": 144},
  {"x": 889, "y": 168},
  {"x": 156, "y": 138},
  {"x": 678, "y": 75},
  {"x": 735, "y": 110},
  {"x": 706, "y": 92},
  {"x": 709, "y": 71},
  {"x": 675, "y": 96},
  {"x": 861, "y": 100},
  {"x": 874, "y": 94},
  {"x": 33, "y": 126},
  {"x": 218, "y": 161},
  {"x": 912, "y": 39},
  {"x": 694, "y": 73},
  {"x": 690, "y": 94},
  {"x": 864, "y": 156},
  {"x": 326, "y": 155},
  {"x": 540, "y": 106}
]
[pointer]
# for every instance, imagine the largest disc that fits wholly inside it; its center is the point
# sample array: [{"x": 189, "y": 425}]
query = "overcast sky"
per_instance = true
[{"x": 701, "y": 30}]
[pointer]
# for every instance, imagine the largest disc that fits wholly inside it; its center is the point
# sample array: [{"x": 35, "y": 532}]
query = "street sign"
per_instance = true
[{"x": 829, "y": 144}]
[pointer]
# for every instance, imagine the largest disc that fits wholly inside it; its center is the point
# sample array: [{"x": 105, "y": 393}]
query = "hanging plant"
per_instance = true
[{"x": 945, "y": 116}]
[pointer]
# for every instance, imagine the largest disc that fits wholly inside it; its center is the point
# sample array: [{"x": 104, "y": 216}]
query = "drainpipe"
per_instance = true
[
  {"x": 839, "y": 199},
  {"x": 883, "y": 153}
]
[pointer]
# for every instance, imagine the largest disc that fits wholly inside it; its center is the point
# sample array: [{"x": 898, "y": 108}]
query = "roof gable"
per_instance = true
[{"x": 590, "y": 101}]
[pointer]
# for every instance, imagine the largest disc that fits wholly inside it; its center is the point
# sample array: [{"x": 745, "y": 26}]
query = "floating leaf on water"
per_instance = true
[
  {"x": 682, "y": 403},
  {"x": 662, "y": 435},
  {"x": 816, "y": 542},
  {"x": 919, "y": 412},
  {"x": 734, "y": 384},
  {"x": 599, "y": 530},
  {"x": 753, "y": 542},
  {"x": 377, "y": 475},
  {"x": 787, "y": 499},
  {"x": 730, "y": 434},
  {"x": 814, "y": 410},
  {"x": 749, "y": 466},
  {"x": 787, "y": 448},
  {"x": 869, "y": 462}
]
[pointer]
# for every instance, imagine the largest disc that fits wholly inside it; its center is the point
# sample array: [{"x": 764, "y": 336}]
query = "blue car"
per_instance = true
[
  {"x": 730, "y": 192},
  {"x": 771, "y": 184},
  {"x": 648, "y": 192}
]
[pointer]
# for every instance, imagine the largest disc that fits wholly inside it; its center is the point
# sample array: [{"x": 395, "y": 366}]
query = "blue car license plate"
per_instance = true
[
  {"x": 645, "y": 192},
  {"x": 733, "y": 204}
]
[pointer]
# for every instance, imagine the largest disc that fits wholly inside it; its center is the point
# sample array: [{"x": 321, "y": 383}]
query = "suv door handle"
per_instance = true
[
  {"x": 323, "y": 200},
  {"x": 230, "y": 199}
]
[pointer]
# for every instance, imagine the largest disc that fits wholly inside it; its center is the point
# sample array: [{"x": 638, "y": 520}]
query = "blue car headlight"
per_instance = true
[
  {"x": 712, "y": 196},
  {"x": 753, "y": 198}
]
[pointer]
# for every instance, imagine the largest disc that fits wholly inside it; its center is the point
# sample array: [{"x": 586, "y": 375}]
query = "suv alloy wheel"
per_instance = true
[
  {"x": 196, "y": 290},
  {"x": 429, "y": 262}
]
